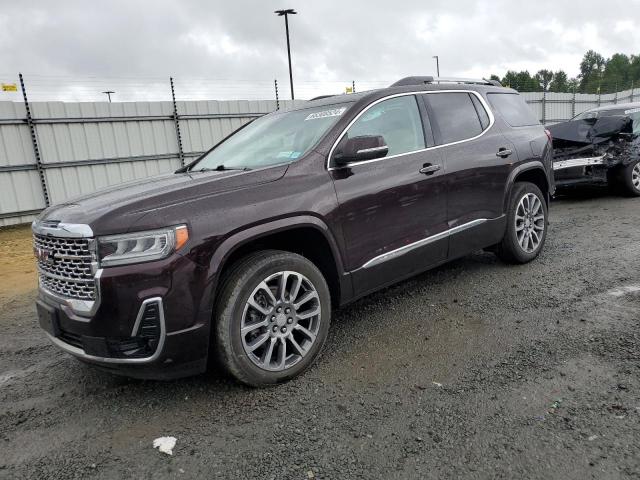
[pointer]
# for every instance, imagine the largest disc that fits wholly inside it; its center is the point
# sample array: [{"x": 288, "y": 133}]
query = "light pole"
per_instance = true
[
  {"x": 109, "y": 92},
  {"x": 437, "y": 65},
  {"x": 285, "y": 14}
]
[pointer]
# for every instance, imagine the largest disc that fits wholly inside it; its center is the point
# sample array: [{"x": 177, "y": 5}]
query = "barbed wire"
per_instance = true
[{"x": 127, "y": 88}]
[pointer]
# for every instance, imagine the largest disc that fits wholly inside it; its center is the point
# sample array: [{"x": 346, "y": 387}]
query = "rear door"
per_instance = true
[
  {"x": 391, "y": 213},
  {"x": 477, "y": 165}
]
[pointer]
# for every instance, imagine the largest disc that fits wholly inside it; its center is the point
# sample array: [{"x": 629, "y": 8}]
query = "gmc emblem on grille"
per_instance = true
[{"x": 44, "y": 256}]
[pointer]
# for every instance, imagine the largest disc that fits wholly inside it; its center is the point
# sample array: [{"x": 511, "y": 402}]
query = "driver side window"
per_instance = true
[{"x": 397, "y": 120}]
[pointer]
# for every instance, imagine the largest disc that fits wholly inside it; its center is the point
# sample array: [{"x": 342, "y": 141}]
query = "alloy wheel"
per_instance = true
[
  {"x": 635, "y": 176},
  {"x": 280, "y": 321},
  {"x": 530, "y": 222}
]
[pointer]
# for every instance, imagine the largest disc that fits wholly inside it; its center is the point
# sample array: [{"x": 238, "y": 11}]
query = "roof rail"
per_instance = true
[
  {"x": 412, "y": 81},
  {"x": 429, "y": 79}
]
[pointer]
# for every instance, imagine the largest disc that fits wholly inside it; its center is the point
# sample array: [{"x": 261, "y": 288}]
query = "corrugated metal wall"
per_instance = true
[
  {"x": 87, "y": 146},
  {"x": 553, "y": 107}
]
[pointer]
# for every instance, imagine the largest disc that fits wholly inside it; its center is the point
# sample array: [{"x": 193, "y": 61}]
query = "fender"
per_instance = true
[
  {"x": 238, "y": 239},
  {"x": 524, "y": 167}
]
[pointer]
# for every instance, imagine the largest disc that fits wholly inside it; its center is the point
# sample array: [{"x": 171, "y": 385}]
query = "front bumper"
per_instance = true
[
  {"x": 175, "y": 353},
  {"x": 110, "y": 331}
]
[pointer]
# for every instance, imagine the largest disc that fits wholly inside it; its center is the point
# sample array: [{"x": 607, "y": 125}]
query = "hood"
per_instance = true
[
  {"x": 116, "y": 209},
  {"x": 590, "y": 131}
]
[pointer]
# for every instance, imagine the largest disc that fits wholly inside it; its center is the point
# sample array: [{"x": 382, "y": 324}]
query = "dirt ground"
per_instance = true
[
  {"x": 473, "y": 370},
  {"x": 17, "y": 266}
]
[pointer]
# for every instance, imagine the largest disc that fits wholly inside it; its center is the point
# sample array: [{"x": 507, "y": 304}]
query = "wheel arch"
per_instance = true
[
  {"x": 307, "y": 236},
  {"x": 533, "y": 172}
]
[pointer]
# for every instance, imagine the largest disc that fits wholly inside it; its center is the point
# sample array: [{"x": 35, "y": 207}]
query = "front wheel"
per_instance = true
[
  {"x": 527, "y": 221},
  {"x": 627, "y": 179},
  {"x": 272, "y": 317}
]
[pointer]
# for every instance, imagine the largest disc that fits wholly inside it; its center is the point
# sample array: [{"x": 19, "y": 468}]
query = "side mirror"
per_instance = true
[{"x": 358, "y": 149}]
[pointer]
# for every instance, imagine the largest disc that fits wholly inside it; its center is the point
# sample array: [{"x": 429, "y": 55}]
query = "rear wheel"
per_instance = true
[
  {"x": 526, "y": 225},
  {"x": 627, "y": 179},
  {"x": 272, "y": 317}
]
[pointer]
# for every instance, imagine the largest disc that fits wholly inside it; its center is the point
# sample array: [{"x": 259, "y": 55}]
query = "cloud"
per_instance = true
[{"x": 242, "y": 42}]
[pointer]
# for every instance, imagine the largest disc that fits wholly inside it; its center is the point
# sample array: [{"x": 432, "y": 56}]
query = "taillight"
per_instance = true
[{"x": 549, "y": 136}]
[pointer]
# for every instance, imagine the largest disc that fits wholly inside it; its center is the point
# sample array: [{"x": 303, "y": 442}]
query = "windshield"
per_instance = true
[{"x": 275, "y": 138}]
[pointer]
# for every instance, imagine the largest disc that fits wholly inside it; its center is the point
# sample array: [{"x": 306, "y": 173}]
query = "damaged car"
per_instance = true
[{"x": 600, "y": 146}]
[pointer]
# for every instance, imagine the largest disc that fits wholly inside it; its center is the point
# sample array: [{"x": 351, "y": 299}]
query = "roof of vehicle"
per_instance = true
[{"x": 418, "y": 87}]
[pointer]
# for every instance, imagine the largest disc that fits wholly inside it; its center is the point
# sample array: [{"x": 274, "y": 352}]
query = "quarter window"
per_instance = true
[
  {"x": 455, "y": 115},
  {"x": 513, "y": 109},
  {"x": 482, "y": 113},
  {"x": 397, "y": 120}
]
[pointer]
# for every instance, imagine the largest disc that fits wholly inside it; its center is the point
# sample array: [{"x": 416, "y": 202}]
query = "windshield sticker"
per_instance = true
[
  {"x": 633, "y": 110},
  {"x": 335, "y": 112}
]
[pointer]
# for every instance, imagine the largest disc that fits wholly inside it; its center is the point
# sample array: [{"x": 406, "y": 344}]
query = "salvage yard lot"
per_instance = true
[{"x": 473, "y": 370}]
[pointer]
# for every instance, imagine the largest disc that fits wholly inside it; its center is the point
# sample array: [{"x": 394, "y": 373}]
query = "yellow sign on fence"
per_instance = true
[{"x": 9, "y": 87}]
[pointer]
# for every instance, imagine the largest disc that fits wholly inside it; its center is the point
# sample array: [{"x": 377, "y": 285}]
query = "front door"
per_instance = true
[{"x": 392, "y": 209}]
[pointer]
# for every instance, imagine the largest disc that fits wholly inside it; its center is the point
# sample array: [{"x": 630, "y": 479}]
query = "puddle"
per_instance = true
[{"x": 621, "y": 291}]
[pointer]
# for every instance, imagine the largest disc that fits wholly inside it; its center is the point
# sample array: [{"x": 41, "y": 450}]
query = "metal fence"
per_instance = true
[
  {"x": 53, "y": 151},
  {"x": 553, "y": 107}
]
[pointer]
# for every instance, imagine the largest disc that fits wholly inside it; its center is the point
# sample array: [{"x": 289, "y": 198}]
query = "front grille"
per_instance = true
[{"x": 64, "y": 265}]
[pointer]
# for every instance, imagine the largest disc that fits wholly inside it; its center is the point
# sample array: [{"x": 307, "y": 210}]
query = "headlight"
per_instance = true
[{"x": 140, "y": 246}]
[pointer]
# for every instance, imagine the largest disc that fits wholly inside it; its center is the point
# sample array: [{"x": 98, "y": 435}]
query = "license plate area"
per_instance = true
[{"x": 48, "y": 318}]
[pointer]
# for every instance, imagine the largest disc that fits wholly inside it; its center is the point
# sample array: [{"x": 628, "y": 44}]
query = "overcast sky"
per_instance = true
[{"x": 239, "y": 45}]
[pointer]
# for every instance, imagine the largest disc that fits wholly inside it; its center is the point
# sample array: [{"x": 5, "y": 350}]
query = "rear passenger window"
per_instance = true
[
  {"x": 455, "y": 115},
  {"x": 397, "y": 120},
  {"x": 513, "y": 109}
]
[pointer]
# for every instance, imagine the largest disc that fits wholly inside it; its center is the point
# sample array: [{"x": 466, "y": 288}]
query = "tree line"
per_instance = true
[{"x": 597, "y": 75}]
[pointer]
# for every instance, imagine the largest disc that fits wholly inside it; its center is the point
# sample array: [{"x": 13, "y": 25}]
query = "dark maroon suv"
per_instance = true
[{"x": 242, "y": 255}]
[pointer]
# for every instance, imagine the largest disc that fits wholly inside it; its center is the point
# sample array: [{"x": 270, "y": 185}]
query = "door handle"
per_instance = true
[
  {"x": 429, "y": 169},
  {"x": 504, "y": 152}
]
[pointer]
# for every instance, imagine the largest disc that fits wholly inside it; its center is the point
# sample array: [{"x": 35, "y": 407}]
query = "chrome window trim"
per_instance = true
[
  {"x": 69, "y": 230},
  {"x": 421, "y": 92},
  {"x": 421, "y": 243},
  {"x": 80, "y": 353}
]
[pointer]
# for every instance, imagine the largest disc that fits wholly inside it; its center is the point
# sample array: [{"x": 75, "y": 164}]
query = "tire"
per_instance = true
[
  {"x": 626, "y": 180},
  {"x": 254, "y": 356},
  {"x": 515, "y": 247}
]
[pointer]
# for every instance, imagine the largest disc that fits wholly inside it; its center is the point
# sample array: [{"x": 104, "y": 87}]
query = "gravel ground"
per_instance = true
[{"x": 473, "y": 370}]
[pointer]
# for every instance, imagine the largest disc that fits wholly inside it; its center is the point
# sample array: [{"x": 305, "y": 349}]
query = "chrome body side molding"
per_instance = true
[{"x": 421, "y": 243}]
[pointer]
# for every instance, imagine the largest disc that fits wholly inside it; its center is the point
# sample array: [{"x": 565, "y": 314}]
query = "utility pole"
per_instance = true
[
  {"x": 437, "y": 65},
  {"x": 285, "y": 14},
  {"x": 109, "y": 92}
]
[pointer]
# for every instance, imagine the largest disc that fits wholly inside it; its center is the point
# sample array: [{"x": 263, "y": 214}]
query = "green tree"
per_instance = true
[
  {"x": 616, "y": 75},
  {"x": 510, "y": 79},
  {"x": 591, "y": 70},
  {"x": 560, "y": 82},
  {"x": 543, "y": 78},
  {"x": 522, "y": 81},
  {"x": 634, "y": 70}
]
